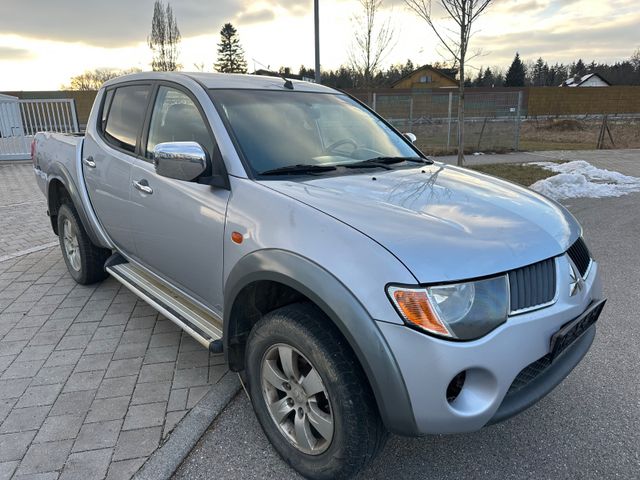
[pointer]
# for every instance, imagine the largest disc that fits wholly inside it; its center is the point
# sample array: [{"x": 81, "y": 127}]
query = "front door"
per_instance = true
[{"x": 179, "y": 225}]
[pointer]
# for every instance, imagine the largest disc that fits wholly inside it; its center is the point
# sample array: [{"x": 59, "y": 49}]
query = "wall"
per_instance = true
[{"x": 583, "y": 101}]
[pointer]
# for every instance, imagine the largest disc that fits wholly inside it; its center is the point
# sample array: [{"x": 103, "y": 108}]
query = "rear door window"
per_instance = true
[{"x": 126, "y": 116}]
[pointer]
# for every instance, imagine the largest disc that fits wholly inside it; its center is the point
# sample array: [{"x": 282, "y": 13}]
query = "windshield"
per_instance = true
[{"x": 282, "y": 129}]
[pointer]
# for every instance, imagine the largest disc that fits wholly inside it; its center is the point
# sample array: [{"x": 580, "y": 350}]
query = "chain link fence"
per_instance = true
[{"x": 492, "y": 120}]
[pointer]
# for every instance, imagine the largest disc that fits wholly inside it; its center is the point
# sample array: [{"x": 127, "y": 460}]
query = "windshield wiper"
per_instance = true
[
  {"x": 299, "y": 169},
  {"x": 384, "y": 162}
]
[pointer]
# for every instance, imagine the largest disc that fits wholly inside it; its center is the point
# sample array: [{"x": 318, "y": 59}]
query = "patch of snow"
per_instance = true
[{"x": 580, "y": 179}]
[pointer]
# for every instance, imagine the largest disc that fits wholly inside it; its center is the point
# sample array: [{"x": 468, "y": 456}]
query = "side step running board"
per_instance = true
[{"x": 202, "y": 325}]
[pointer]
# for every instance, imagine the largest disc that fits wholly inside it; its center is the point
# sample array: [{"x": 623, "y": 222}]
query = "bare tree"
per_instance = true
[
  {"x": 93, "y": 79},
  {"x": 165, "y": 37},
  {"x": 463, "y": 14},
  {"x": 372, "y": 40}
]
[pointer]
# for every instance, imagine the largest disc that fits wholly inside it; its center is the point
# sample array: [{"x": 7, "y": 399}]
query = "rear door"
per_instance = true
[
  {"x": 179, "y": 226},
  {"x": 107, "y": 156}
]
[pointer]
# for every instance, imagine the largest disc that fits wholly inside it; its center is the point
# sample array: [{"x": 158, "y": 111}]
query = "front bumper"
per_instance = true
[{"x": 491, "y": 364}]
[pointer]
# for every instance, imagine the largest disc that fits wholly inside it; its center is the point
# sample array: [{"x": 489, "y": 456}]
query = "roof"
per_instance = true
[
  {"x": 449, "y": 73},
  {"x": 225, "y": 80},
  {"x": 577, "y": 81}
]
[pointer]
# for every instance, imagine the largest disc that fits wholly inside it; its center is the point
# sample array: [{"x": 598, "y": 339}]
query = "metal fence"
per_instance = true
[
  {"x": 57, "y": 115},
  {"x": 492, "y": 120},
  {"x": 20, "y": 119}
]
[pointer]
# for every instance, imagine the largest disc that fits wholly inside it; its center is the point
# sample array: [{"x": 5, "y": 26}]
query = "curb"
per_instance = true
[{"x": 166, "y": 459}]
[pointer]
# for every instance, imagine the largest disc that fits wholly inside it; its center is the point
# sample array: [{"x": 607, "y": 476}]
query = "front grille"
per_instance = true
[
  {"x": 579, "y": 254},
  {"x": 533, "y": 285},
  {"x": 530, "y": 373}
]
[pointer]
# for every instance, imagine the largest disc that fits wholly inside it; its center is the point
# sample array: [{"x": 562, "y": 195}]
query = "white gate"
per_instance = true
[
  {"x": 21, "y": 119},
  {"x": 13, "y": 144}
]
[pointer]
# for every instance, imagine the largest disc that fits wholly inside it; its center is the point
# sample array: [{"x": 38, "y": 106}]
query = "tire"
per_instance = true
[
  {"x": 84, "y": 260},
  {"x": 316, "y": 344}
]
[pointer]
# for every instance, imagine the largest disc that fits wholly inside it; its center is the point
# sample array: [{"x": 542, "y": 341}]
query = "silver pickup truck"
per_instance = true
[{"x": 359, "y": 287}]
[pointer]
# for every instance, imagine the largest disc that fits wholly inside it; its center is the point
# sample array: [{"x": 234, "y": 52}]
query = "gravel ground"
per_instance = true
[{"x": 589, "y": 427}]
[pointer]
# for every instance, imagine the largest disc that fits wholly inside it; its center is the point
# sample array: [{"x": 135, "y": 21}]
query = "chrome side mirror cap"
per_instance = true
[
  {"x": 180, "y": 160},
  {"x": 411, "y": 137}
]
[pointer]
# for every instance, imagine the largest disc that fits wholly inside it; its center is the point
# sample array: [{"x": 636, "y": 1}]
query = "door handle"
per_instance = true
[
  {"x": 143, "y": 186},
  {"x": 89, "y": 162}
]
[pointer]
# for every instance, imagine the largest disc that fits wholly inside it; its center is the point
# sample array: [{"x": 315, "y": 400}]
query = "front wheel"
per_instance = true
[
  {"x": 310, "y": 394},
  {"x": 84, "y": 260}
]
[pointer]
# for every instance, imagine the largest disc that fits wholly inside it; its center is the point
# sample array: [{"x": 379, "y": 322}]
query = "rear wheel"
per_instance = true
[
  {"x": 311, "y": 395},
  {"x": 84, "y": 260}
]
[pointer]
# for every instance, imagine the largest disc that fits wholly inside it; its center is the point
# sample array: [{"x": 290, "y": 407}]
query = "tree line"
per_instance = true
[{"x": 540, "y": 73}]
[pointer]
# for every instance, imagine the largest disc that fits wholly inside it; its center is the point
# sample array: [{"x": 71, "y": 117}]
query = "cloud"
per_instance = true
[
  {"x": 118, "y": 23},
  {"x": 256, "y": 16},
  {"x": 602, "y": 39},
  {"x": 10, "y": 53}
]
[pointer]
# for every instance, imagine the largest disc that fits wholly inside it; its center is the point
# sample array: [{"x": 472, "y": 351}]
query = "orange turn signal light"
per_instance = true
[
  {"x": 415, "y": 308},
  {"x": 236, "y": 237}
]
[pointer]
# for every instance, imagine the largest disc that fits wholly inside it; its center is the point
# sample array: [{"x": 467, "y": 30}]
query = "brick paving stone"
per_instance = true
[
  {"x": 22, "y": 369},
  {"x": 6, "y": 405},
  {"x": 67, "y": 357},
  {"x": 7, "y": 469},
  {"x": 59, "y": 427},
  {"x": 39, "y": 395},
  {"x": 137, "y": 443},
  {"x": 45, "y": 457},
  {"x": 50, "y": 375},
  {"x": 124, "y": 469},
  {"x": 161, "y": 354},
  {"x": 24, "y": 419},
  {"x": 130, "y": 350},
  {"x": 195, "y": 395},
  {"x": 151, "y": 392},
  {"x": 122, "y": 368},
  {"x": 83, "y": 381},
  {"x": 178, "y": 399},
  {"x": 13, "y": 446},
  {"x": 97, "y": 435},
  {"x": 157, "y": 372},
  {"x": 39, "y": 352},
  {"x": 102, "y": 346},
  {"x": 13, "y": 388},
  {"x": 105, "y": 409},
  {"x": 87, "y": 465},
  {"x": 172, "y": 420},
  {"x": 88, "y": 363},
  {"x": 116, "y": 387},
  {"x": 71, "y": 342},
  {"x": 74, "y": 402},
  {"x": 142, "y": 416},
  {"x": 192, "y": 377}
]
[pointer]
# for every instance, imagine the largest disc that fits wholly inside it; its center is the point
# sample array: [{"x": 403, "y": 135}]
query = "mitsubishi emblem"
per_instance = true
[{"x": 576, "y": 283}]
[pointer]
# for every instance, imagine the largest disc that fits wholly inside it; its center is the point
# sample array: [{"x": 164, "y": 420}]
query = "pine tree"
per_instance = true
[
  {"x": 516, "y": 73},
  {"x": 230, "y": 52}
]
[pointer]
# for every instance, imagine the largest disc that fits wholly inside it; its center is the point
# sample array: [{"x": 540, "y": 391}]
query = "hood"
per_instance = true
[{"x": 444, "y": 223}]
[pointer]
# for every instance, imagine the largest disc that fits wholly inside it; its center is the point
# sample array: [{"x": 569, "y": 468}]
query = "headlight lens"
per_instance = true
[{"x": 463, "y": 311}]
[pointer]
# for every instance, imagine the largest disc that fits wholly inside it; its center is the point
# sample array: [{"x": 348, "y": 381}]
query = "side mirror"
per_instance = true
[
  {"x": 411, "y": 137},
  {"x": 180, "y": 160}
]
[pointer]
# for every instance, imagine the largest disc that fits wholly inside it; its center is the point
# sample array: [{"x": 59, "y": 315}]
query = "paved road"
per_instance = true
[{"x": 588, "y": 428}]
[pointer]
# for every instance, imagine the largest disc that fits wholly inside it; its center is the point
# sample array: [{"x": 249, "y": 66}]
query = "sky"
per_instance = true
[{"x": 43, "y": 43}]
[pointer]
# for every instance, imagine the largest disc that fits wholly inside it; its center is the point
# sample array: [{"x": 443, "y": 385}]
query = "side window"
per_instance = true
[
  {"x": 105, "y": 109},
  {"x": 126, "y": 115},
  {"x": 176, "y": 118}
]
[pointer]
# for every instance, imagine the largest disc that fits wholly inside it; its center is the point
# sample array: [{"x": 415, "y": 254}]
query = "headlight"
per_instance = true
[{"x": 462, "y": 311}]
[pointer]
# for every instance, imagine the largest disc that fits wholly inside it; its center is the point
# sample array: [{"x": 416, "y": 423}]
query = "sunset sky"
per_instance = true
[{"x": 45, "y": 42}]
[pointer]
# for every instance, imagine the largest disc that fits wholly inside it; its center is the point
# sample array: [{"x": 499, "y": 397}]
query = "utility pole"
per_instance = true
[{"x": 316, "y": 15}]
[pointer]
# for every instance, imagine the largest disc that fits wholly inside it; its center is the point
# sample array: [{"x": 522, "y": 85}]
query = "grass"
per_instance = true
[{"x": 522, "y": 174}]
